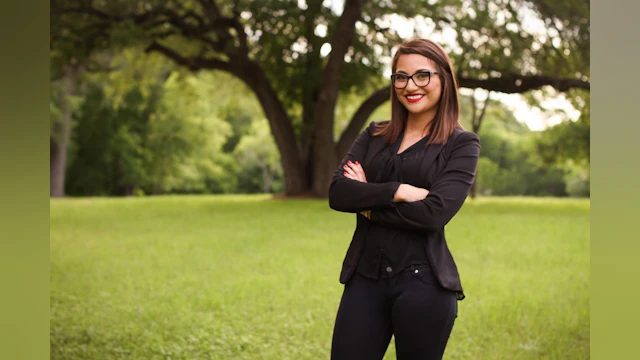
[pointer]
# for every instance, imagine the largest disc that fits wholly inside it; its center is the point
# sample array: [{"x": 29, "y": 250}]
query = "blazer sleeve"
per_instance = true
[
  {"x": 446, "y": 196},
  {"x": 353, "y": 196}
]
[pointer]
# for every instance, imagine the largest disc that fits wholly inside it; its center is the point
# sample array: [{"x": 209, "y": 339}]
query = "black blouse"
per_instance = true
[
  {"x": 389, "y": 250},
  {"x": 447, "y": 170}
]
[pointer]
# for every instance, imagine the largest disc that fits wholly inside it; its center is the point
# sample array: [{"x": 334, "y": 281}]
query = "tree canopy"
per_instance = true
[{"x": 299, "y": 56}]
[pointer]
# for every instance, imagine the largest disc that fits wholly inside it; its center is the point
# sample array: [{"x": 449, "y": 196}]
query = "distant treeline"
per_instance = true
[{"x": 206, "y": 134}]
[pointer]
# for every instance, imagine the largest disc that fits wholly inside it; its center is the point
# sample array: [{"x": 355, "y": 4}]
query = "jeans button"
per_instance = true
[{"x": 389, "y": 269}]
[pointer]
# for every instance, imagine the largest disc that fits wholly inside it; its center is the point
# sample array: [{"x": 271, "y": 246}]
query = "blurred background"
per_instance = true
[
  {"x": 193, "y": 142},
  {"x": 218, "y": 97}
]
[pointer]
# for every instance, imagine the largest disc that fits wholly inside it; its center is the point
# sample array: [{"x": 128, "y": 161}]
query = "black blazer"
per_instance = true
[{"x": 447, "y": 171}]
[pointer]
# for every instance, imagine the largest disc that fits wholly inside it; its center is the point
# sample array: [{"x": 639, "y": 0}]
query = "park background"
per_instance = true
[{"x": 192, "y": 143}]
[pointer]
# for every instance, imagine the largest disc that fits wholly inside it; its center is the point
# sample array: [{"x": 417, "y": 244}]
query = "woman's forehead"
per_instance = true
[{"x": 412, "y": 62}]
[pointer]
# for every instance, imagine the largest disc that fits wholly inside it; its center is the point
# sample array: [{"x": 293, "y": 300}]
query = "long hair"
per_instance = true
[{"x": 448, "y": 113}]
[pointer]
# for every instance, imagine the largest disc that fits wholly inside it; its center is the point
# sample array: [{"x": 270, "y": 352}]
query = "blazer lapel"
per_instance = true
[
  {"x": 426, "y": 171},
  {"x": 377, "y": 147},
  {"x": 433, "y": 150}
]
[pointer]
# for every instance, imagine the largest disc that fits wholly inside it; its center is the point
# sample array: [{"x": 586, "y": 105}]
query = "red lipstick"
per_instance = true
[{"x": 414, "y": 97}]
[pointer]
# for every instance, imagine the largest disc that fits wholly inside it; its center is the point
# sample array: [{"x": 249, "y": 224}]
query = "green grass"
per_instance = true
[{"x": 248, "y": 277}]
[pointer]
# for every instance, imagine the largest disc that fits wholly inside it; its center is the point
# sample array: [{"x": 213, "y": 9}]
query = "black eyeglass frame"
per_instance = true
[{"x": 410, "y": 77}]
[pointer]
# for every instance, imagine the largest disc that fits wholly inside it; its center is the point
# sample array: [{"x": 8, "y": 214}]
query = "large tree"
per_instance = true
[{"x": 297, "y": 56}]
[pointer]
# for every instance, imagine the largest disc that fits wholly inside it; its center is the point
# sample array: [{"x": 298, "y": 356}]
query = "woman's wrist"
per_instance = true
[{"x": 397, "y": 196}]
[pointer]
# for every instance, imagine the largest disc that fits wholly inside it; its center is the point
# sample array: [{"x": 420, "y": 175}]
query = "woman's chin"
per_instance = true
[{"x": 415, "y": 108}]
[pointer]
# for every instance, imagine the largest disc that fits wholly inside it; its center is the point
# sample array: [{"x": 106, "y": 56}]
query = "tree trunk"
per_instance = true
[
  {"x": 58, "y": 154},
  {"x": 267, "y": 177},
  {"x": 281, "y": 128},
  {"x": 476, "y": 122},
  {"x": 359, "y": 119},
  {"x": 59, "y": 138},
  {"x": 324, "y": 150}
]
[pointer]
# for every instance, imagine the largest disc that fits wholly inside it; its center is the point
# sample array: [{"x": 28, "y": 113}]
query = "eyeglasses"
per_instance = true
[{"x": 421, "y": 79}]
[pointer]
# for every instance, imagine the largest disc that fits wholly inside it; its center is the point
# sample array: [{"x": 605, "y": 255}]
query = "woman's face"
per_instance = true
[{"x": 418, "y": 99}]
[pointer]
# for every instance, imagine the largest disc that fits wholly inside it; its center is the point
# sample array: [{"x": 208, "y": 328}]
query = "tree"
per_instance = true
[
  {"x": 62, "y": 106},
  {"x": 256, "y": 149},
  {"x": 476, "y": 123},
  {"x": 569, "y": 140},
  {"x": 169, "y": 140},
  {"x": 298, "y": 56},
  {"x": 73, "y": 44}
]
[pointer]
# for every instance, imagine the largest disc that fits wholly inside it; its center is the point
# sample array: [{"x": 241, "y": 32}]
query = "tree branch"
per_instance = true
[
  {"x": 345, "y": 30},
  {"x": 359, "y": 119},
  {"x": 183, "y": 21},
  {"x": 327, "y": 96},
  {"x": 193, "y": 63},
  {"x": 514, "y": 84},
  {"x": 484, "y": 110},
  {"x": 323, "y": 148},
  {"x": 211, "y": 10},
  {"x": 220, "y": 24},
  {"x": 474, "y": 110},
  {"x": 476, "y": 121},
  {"x": 499, "y": 84}
]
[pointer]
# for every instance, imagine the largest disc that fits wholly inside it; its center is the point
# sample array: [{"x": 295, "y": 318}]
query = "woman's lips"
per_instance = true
[{"x": 414, "y": 97}]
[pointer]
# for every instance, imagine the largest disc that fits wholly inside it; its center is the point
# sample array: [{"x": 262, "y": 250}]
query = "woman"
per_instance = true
[{"x": 405, "y": 179}]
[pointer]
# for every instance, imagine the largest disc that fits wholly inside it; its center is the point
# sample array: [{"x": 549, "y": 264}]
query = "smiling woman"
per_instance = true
[{"x": 405, "y": 179}]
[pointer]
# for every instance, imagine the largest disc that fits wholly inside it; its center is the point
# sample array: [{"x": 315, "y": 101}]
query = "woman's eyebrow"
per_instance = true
[{"x": 417, "y": 71}]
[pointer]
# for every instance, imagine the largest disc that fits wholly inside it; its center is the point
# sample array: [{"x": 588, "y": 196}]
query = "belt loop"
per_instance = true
[{"x": 413, "y": 268}]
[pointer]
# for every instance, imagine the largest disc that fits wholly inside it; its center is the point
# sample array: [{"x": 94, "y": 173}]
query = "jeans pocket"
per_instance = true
[{"x": 424, "y": 274}]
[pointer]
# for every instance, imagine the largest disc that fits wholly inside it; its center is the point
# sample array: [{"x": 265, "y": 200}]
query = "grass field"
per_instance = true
[{"x": 248, "y": 277}]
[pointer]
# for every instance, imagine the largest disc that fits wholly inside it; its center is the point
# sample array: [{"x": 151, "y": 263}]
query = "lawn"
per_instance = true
[{"x": 250, "y": 277}]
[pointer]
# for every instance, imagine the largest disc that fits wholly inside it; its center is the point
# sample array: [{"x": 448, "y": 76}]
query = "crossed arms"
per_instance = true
[{"x": 404, "y": 206}]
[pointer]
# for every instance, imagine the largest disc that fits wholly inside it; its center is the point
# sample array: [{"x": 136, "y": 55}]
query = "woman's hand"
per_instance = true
[
  {"x": 409, "y": 193},
  {"x": 354, "y": 171}
]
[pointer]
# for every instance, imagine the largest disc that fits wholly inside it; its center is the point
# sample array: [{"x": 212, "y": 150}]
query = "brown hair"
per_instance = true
[{"x": 446, "y": 118}]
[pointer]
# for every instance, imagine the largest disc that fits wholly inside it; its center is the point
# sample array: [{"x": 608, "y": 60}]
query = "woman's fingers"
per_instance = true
[
  {"x": 349, "y": 172},
  {"x": 353, "y": 170},
  {"x": 358, "y": 171}
]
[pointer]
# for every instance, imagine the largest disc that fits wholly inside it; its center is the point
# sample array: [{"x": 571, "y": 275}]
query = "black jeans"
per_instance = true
[{"x": 411, "y": 306}]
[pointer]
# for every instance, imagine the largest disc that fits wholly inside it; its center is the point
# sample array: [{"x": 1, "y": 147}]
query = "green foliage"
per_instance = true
[
  {"x": 568, "y": 145},
  {"x": 128, "y": 157},
  {"x": 287, "y": 42},
  {"x": 89, "y": 171},
  {"x": 60, "y": 101},
  {"x": 172, "y": 277},
  {"x": 167, "y": 141},
  {"x": 569, "y": 140},
  {"x": 578, "y": 181},
  {"x": 257, "y": 151},
  {"x": 186, "y": 136},
  {"x": 146, "y": 129},
  {"x": 527, "y": 37},
  {"x": 240, "y": 117},
  {"x": 285, "y": 37},
  {"x": 192, "y": 134},
  {"x": 509, "y": 163}
]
